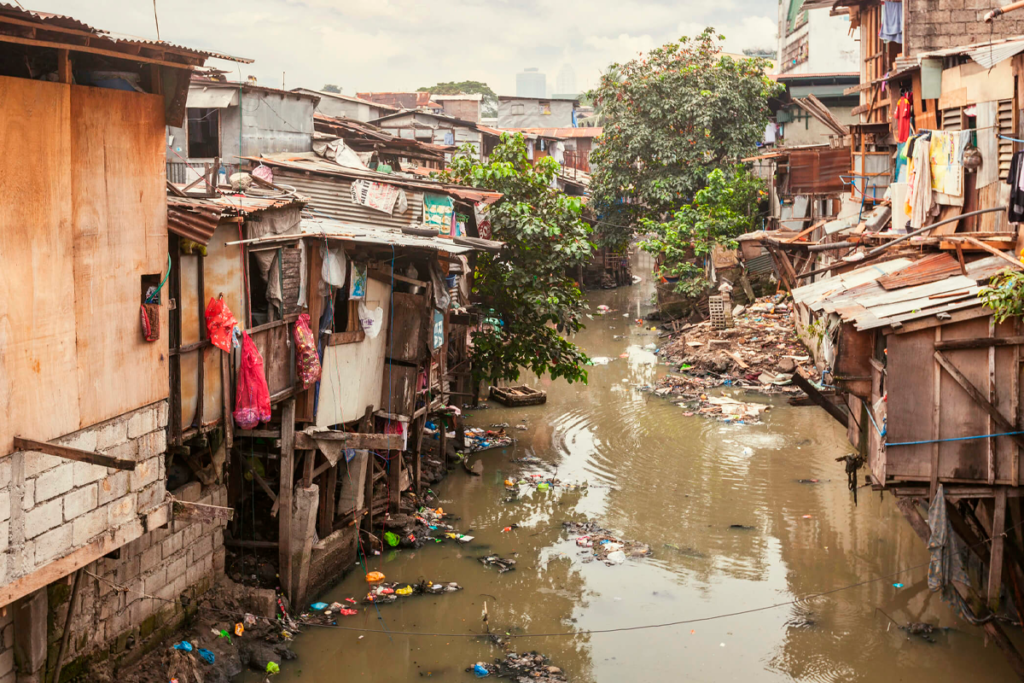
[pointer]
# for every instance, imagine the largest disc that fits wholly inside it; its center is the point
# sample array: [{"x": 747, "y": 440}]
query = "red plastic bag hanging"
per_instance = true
[
  {"x": 307, "y": 362},
  {"x": 220, "y": 323},
  {"x": 252, "y": 400}
]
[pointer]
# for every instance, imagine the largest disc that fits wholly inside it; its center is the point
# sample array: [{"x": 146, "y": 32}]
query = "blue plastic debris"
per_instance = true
[
  {"x": 184, "y": 646},
  {"x": 319, "y": 606},
  {"x": 480, "y": 671},
  {"x": 206, "y": 655},
  {"x": 897, "y": 585}
]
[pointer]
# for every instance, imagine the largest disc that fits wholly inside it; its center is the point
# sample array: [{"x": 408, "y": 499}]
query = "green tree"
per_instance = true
[
  {"x": 670, "y": 118},
  {"x": 726, "y": 207},
  {"x": 330, "y": 87},
  {"x": 489, "y": 104},
  {"x": 533, "y": 301}
]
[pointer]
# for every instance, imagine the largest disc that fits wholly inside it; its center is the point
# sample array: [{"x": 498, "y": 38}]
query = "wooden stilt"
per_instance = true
[
  {"x": 394, "y": 481},
  {"x": 992, "y": 628},
  {"x": 307, "y": 468},
  {"x": 366, "y": 425},
  {"x": 417, "y": 458},
  {"x": 995, "y": 567},
  {"x": 328, "y": 493},
  {"x": 284, "y": 496}
]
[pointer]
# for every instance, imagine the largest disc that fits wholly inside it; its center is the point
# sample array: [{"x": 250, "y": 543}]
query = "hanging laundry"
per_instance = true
[
  {"x": 379, "y": 196},
  {"x": 946, "y": 151},
  {"x": 220, "y": 324},
  {"x": 904, "y": 110},
  {"x": 1015, "y": 179},
  {"x": 892, "y": 22},
  {"x": 483, "y": 220},
  {"x": 252, "y": 398},
  {"x": 438, "y": 212},
  {"x": 919, "y": 184}
]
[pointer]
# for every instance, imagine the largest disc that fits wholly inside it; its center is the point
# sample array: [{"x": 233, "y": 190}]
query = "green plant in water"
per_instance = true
[{"x": 1005, "y": 295}]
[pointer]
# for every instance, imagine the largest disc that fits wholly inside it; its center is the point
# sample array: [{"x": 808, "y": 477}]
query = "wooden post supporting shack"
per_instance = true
[{"x": 284, "y": 496}]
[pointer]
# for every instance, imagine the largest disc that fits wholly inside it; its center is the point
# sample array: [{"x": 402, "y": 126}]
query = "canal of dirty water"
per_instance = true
[{"x": 678, "y": 484}]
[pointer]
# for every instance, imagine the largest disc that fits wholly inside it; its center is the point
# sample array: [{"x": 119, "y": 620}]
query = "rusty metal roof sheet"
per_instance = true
[
  {"x": 196, "y": 218},
  {"x": 931, "y": 268},
  {"x": 72, "y": 26},
  {"x": 587, "y": 132}
]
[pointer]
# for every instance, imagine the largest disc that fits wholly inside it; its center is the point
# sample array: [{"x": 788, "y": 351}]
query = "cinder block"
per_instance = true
[
  {"x": 112, "y": 434},
  {"x": 5, "y": 473},
  {"x": 5, "y": 536},
  {"x": 52, "y": 544},
  {"x": 152, "y": 495},
  {"x": 43, "y": 517},
  {"x": 89, "y": 525},
  {"x": 152, "y": 444},
  {"x": 7, "y": 663},
  {"x": 55, "y": 482},
  {"x": 5, "y": 505},
  {"x": 37, "y": 463},
  {"x": 80, "y": 501},
  {"x": 161, "y": 414},
  {"x": 114, "y": 486},
  {"x": 176, "y": 567},
  {"x": 151, "y": 558},
  {"x": 84, "y": 440},
  {"x": 202, "y": 547},
  {"x": 156, "y": 580},
  {"x": 173, "y": 544},
  {"x": 145, "y": 473},
  {"x": 143, "y": 421},
  {"x": 190, "y": 492},
  {"x": 218, "y": 538},
  {"x": 28, "y": 495},
  {"x": 219, "y": 558},
  {"x": 86, "y": 473},
  {"x": 122, "y": 510}
]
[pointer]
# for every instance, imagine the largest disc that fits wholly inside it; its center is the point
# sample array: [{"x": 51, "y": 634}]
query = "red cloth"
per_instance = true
[
  {"x": 307, "y": 362},
  {"x": 903, "y": 111},
  {"x": 220, "y": 323},
  {"x": 252, "y": 399}
]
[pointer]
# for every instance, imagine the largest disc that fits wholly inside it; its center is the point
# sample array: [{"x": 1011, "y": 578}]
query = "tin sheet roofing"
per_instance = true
[
  {"x": 858, "y": 298},
  {"x": 73, "y": 26},
  {"x": 196, "y": 218}
]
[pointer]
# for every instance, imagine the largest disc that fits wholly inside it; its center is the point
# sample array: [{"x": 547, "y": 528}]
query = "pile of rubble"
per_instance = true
[
  {"x": 603, "y": 545},
  {"x": 760, "y": 351},
  {"x": 528, "y": 666}
]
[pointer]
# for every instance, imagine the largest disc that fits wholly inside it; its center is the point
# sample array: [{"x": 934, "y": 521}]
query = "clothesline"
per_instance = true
[{"x": 1007, "y": 137}]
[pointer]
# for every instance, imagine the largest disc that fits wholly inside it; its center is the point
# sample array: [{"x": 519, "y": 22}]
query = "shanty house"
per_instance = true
[
  {"x": 226, "y": 121},
  {"x": 440, "y": 129},
  {"x": 533, "y": 112},
  {"x": 84, "y": 349},
  {"x": 335, "y": 105}
]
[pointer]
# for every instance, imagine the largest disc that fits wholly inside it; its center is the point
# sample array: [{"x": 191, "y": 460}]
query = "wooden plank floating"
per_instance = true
[
  {"x": 22, "y": 444},
  {"x": 518, "y": 396}
]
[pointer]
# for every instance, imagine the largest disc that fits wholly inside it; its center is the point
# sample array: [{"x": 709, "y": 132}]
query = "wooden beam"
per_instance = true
[
  {"x": 304, "y": 441},
  {"x": 21, "y": 444},
  {"x": 4, "y": 38},
  {"x": 307, "y": 468},
  {"x": 328, "y": 494},
  {"x": 394, "y": 481},
  {"x": 259, "y": 433},
  {"x": 977, "y": 343},
  {"x": 978, "y": 397},
  {"x": 284, "y": 498},
  {"x": 63, "y": 67},
  {"x": 995, "y": 567},
  {"x": 819, "y": 400},
  {"x": 990, "y": 249},
  {"x": 337, "y": 338},
  {"x": 58, "y": 569},
  {"x": 259, "y": 480},
  {"x": 227, "y": 406}
]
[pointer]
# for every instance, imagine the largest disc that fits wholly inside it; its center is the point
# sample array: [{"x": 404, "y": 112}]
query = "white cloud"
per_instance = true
[{"x": 405, "y": 44}]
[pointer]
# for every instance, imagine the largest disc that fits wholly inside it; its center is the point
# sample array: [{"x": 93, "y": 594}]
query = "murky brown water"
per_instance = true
[{"x": 662, "y": 478}]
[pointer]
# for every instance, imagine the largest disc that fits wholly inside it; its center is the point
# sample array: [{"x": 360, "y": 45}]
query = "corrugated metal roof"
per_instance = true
[
  {"x": 197, "y": 218},
  {"x": 361, "y": 234},
  {"x": 331, "y": 197},
  {"x": 65, "y": 22},
  {"x": 858, "y": 298},
  {"x": 567, "y": 133}
]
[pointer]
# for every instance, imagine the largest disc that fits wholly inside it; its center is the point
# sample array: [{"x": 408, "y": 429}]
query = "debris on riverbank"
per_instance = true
[
  {"x": 386, "y": 593},
  {"x": 503, "y": 564},
  {"x": 603, "y": 545},
  {"x": 529, "y": 666},
  {"x": 760, "y": 352}
]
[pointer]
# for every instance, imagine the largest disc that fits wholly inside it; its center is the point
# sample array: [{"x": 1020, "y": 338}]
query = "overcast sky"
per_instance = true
[{"x": 374, "y": 45}]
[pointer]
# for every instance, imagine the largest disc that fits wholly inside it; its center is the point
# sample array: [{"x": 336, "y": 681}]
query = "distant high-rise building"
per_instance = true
[
  {"x": 531, "y": 83},
  {"x": 566, "y": 83}
]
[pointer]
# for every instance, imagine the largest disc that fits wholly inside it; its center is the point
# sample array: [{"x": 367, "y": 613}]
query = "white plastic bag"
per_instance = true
[
  {"x": 371, "y": 320},
  {"x": 335, "y": 266}
]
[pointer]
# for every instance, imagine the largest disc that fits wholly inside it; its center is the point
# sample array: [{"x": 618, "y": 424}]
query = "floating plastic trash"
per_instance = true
[
  {"x": 184, "y": 646},
  {"x": 273, "y": 668},
  {"x": 480, "y": 671},
  {"x": 392, "y": 539},
  {"x": 319, "y": 606},
  {"x": 406, "y": 590},
  {"x": 374, "y": 577},
  {"x": 543, "y": 486},
  {"x": 897, "y": 585}
]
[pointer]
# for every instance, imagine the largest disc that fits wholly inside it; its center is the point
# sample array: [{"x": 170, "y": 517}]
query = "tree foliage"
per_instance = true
[
  {"x": 726, "y": 207},
  {"x": 330, "y": 87},
  {"x": 1005, "y": 294},
  {"x": 670, "y": 118},
  {"x": 489, "y": 105},
  {"x": 526, "y": 286}
]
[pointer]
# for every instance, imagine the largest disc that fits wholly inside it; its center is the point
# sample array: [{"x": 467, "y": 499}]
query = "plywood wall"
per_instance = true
[
  {"x": 38, "y": 357},
  {"x": 353, "y": 373},
  {"x": 84, "y": 218}
]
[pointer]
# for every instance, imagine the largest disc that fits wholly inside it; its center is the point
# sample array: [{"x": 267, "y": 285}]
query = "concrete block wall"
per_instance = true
[
  {"x": 50, "y": 506},
  {"x": 937, "y": 24},
  {"x": 116, "y": 618}
]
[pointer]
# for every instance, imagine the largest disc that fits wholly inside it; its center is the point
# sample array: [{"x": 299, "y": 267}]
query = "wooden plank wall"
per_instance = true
[
  {"x": 38, "y": 355},
  {"x": 911, "y": 372},
  {"x": 119, "y": 224}
]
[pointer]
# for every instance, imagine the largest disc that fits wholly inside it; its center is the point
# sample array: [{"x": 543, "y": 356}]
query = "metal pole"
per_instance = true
[{"x": 67, "y": 626}]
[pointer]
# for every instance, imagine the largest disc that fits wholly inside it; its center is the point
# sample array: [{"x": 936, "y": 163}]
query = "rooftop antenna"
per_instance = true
[{"x": 155, "y": 19}]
